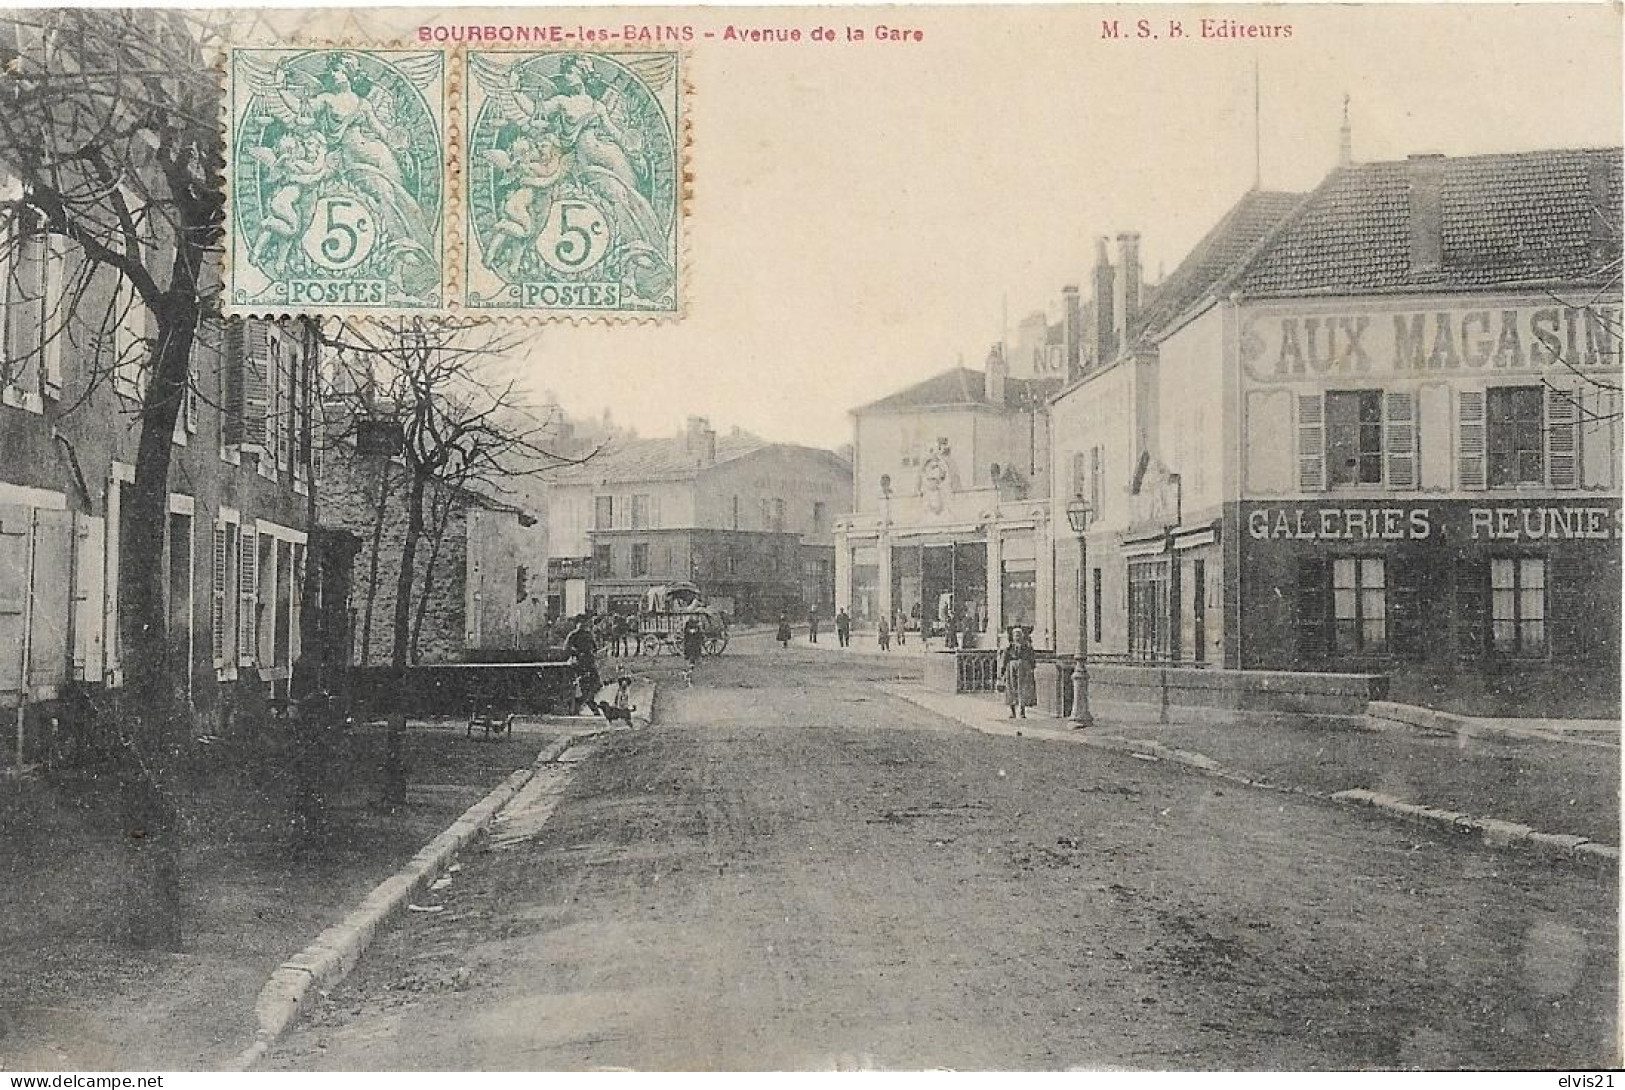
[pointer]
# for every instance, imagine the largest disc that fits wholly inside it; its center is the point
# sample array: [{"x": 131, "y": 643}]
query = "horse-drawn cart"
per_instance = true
[{"x": 666, "y": 610}]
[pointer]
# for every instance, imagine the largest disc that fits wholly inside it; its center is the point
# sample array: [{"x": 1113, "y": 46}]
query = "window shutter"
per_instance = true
[
  {"x": 1562, "y": 438},
  {"x": 217, "y": 600},
  {"x": 247, "y": 587},
  {"x": 1568, "y": 595},
  {"x": 1470, "y": 438},
  {"x": 23, "y": 296},
  {"x": 1314, "y": 591},
  {"x": 1399, "y": 438},
  {"x": 255, "y": 367},
  {"x": 1472, "y": 606},
  {"x": 1080, "y": 474},
  {"x": 231, "y": 382},
  {"x": 16, "y": 525},
  {"x": 88, "y": 613},
  {"x": 1406, "y": 610},
  {"x": 296, "y": 582},
  {"x": 1311, "y": 443},
  {"x": 53, "y": 314}
]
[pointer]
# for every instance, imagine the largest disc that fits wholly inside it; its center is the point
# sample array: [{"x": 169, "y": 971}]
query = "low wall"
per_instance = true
[
  {"x": 541, "y": 688},
  {"x": 1277, "y": 691}
]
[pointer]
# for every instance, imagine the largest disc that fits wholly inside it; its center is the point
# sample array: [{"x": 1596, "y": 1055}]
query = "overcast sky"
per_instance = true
[{"x": 861, "y": 212}]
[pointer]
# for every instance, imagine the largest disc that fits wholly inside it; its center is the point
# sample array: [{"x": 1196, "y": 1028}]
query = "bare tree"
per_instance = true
[
  {"x": 109, "y": 125},
  {"x": 455, "y": 426}
]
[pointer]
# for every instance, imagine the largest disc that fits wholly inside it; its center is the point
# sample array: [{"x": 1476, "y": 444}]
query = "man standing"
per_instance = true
[
  {"x": 843, "y": 628},
  {"x": 583, "y": 651},
  {"x": 812, "y": 625}
]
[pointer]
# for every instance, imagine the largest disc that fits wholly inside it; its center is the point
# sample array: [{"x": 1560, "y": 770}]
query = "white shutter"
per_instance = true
[
  {"x": 16, "y": 526},
  {"x": 1311, "y": 443},
  {"x": 296, "y": 582},
  {"x": 1470, "y": 438},
  {"x": 110, "y": 580},
  {"x": 1399, "y": 438},
  {"x": 217, "y": 597},
  {"x": 1562, "y": 438},
  {"x": 53, "y": 314},
  {"x": 88, "y": 615},
  {"x": 247, "y": 584}
]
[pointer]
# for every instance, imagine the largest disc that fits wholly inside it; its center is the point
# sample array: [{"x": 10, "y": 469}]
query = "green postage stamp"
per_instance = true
[
  {"x": 573, "y": 180},
  {"x": 336, "y": 180}
]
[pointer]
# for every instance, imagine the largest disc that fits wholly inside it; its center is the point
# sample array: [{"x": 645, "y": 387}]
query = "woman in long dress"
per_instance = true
[{"x": 1016, "y": 672}]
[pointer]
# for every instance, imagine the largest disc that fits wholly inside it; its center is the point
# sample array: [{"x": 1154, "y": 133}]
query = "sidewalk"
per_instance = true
[
  {"x": 1539, "y": 782},
  {"x": 73, "y": 996}
]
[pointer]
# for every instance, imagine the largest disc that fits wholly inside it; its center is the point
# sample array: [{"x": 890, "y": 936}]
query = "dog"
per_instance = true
[{"x": 618, "y": 709}]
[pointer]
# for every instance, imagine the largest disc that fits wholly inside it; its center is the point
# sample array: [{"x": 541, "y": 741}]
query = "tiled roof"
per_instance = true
[
  {"x": 962, "y": 386},
  {"x": 655, "y": 459},
  {"x": 1526, "y": 216},
  {"x": 1231, "y": 239}
]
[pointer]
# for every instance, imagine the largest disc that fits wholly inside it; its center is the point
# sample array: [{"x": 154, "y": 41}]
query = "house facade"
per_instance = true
[
  {"x": 239, "y": 535},
  {"x": 751, "y": 522},
  {"x": 1386, "y": 440}
]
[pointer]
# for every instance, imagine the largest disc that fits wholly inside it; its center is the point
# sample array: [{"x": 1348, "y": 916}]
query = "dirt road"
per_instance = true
[{"x": 793, "y": 871}]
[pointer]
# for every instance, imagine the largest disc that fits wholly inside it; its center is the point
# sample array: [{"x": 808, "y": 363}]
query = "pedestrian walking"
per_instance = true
[
  {"x": 900, "y": 626},
  {"x": 693, "y": 641},
  {"x": 784, "y": 629},
  {"x": 583, "y": 651},
  {"x": 1016, "y": 662},
  {"x": 883, "y": 634},
  {"x": 812, "y": 625},
  {"x": 843, "y": 628}
]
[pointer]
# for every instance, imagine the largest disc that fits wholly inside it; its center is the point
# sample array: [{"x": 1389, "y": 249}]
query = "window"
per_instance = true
[
  {"x": 521, "y": 583},
  {"x": 603, "y": 512},
  {"x": 640, "y": 560},
  {"x": 1095, "y": 617},
  {"x": 1517, "y": 447},
  {"x": 1359, "y": 606},
  {"x": 778, "y": 516},
  {"x": 603, "y": 560},
  {"x": 1096, "y": 479},
  {"x": 640, "y": 513},
  {"x": 819, "y": 515},
  {"x": 1354, "y": 437},
  {"x": 223, "y": 604},
  {"x": 736, "y": 513},
  {"x": 1518, "y": 605}
]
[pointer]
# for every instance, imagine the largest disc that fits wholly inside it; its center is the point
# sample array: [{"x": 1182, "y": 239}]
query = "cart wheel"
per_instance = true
[
  {"x": 715, "y": 645},
  {"x": 649, "y": 644}
]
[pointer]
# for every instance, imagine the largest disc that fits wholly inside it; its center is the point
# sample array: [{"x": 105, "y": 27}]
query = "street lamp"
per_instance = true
[{"x": 1078, "y": 516}]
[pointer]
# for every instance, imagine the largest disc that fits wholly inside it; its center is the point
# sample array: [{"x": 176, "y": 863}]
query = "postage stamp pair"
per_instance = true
[{"x": 440, "y": 181}]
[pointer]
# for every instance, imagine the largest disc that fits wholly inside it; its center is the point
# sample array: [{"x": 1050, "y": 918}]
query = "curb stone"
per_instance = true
[
  {"x": 332, "y": 955},
  {"x": 1492, "y": 832}
]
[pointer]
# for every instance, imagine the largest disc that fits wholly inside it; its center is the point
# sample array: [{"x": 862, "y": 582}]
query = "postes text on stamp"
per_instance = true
[
  {"x": 336, "y": 180},
  {"x": 573, "y": 183}
]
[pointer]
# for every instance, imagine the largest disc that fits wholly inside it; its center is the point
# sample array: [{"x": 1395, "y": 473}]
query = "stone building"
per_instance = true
[
  {"x": 750, "y": 521},
  {"x": 240, "y": 534},
  {"x": 1384, "y": 439},
  {"x": 479, "y": 573}
]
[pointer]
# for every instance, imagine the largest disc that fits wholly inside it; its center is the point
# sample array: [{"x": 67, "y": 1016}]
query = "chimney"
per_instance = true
[
  {"x": 997, "y": 372},
  {"x": 1128, "y": 288},
  {"x": 1105, "y": 331},
  {"x": 1072, "y": 324},
  {"x": 1345, "y": 138},
  {"x": 1426, "y": 181},
  {"x": 699, "y": 440}
]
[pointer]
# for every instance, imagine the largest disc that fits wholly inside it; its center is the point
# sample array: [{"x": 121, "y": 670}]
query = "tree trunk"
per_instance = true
[
  {"x": 372, "y": 561},
  {"x": 154, "y": 712},
  {"x": 395, "y": 741},
  {"x": 437, "y": 536}
]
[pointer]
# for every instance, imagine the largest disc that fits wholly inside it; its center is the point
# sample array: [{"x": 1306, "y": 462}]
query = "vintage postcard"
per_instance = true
[{"x": 991, "y": 538}]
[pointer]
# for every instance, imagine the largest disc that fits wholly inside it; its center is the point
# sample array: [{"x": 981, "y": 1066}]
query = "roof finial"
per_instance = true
[{"x": 1345, "y": 146}]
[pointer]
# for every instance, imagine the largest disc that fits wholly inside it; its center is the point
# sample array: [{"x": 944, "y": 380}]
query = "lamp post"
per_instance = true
[{"x": 1078, "y": 516}]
